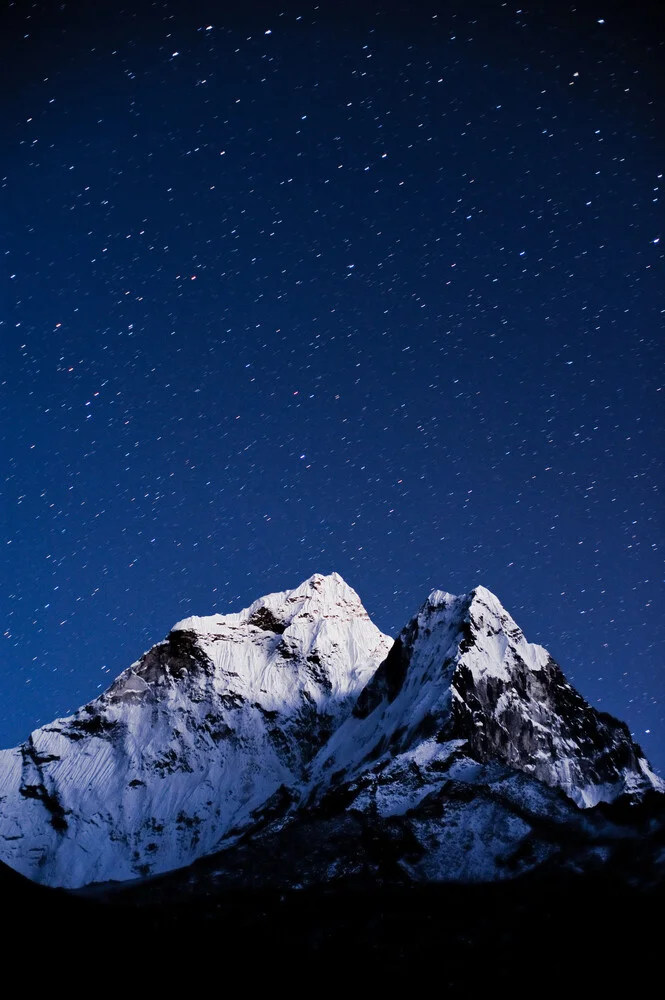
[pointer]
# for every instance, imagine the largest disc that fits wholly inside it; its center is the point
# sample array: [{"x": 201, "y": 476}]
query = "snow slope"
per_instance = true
[
  {"x": 462, "y": 670},
  {"x": 461, "y": 732},
  {"x": 192, "y": 743}
]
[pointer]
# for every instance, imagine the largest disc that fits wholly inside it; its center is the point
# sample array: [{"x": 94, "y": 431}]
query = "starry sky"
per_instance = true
[{"x": 302, "y": 287}]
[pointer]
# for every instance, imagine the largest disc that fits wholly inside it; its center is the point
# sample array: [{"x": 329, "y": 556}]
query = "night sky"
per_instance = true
[{"x": 375, "y": 288}]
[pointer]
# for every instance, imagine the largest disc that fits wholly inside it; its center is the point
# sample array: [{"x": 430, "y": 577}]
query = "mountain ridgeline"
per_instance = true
[{"x": 292, "y": 743}]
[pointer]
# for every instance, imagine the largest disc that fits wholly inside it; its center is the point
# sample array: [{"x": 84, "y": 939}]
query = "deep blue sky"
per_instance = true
[{"x": 375, "y": 288}]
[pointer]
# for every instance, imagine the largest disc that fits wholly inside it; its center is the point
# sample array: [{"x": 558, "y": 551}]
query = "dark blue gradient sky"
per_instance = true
[{"x": 375, "y": 288}]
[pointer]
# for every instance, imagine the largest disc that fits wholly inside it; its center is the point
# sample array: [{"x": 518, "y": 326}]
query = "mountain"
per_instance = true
[
  {"x": 191, "y": 745},
  {"x": 462, "y": 672},
  {"x": 294, "y": 744}
]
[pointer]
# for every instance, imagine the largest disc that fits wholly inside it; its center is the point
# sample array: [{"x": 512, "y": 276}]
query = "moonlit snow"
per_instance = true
[{"x": 236, "y": 722}]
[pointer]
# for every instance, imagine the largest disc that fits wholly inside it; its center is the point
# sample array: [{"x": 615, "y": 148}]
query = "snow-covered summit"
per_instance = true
[
  {"x": 325, "y": 597},
  {"x": 462, "y": 670},
  {"x": 191, "y": 744},
  {"x": 243, "y": 722}
]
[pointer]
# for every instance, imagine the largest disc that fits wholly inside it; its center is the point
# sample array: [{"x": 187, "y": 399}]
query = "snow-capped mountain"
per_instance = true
[
  {"x": 297, "y": 721},
  {"x": 189, "y": 746},
  {"x": 462, "y": 672}
]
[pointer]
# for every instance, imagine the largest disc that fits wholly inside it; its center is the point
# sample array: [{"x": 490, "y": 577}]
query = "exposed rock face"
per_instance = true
[
  {"x": 460, "y": 749},
  {"x": 462, "y": 670}
]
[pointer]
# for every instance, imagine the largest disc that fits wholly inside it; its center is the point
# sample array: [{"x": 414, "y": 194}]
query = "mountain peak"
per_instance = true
[
  {"x": 462, "y": 671},
  {"x": 486, "y": 597},
  {"x": 190, "y": 743},
  {"x": 330, "y": 594},
  {"x": 480, "y": 596},
  {"x": 319, "y": 596},
  {"x": 238, "y": 721}
]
